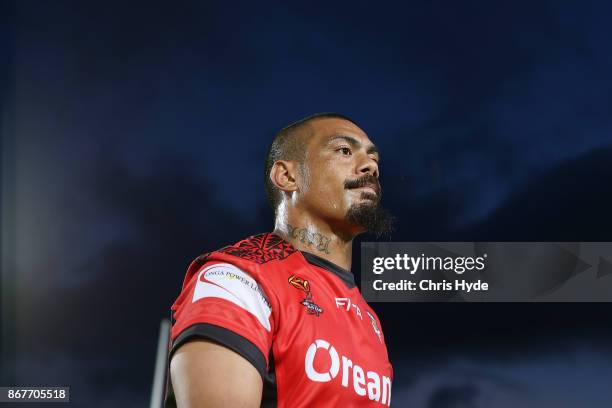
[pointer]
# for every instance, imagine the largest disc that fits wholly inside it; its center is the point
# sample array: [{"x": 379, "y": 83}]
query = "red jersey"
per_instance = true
[{"x": 298, "y": 318}]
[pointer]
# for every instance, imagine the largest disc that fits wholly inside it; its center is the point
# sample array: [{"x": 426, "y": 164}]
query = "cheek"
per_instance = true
[
  {"x": 338, "y": 198},
  {"x": 325, "y": 185}
]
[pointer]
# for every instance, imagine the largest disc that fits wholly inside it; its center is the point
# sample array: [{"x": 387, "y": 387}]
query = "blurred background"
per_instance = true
[{"x": 133, "y": 139}]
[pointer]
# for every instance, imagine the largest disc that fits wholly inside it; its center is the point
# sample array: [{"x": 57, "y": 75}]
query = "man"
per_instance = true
[{"x": 276, "y": 319}]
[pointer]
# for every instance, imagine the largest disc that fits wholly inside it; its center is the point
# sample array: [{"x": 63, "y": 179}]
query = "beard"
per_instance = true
[
  {"x": 372, "y": 217},
  {"x": 369, "y": 214}
]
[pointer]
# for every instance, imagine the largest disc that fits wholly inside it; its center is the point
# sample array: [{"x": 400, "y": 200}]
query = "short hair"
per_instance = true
[{"x": 290, "y": 144}]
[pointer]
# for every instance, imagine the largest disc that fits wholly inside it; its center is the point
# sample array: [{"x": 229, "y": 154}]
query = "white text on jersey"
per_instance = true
[
  {"x": 345, "y": 303},
  {"x": 372, "y": 388}
]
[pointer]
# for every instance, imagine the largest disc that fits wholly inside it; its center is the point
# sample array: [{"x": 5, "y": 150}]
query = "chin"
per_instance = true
[{"x": 368, "y": 216}]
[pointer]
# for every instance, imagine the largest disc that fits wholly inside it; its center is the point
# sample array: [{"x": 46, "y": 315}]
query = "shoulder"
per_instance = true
[
  {"x": 260, "y": 248},
  {"x": 250, "y": 255}
]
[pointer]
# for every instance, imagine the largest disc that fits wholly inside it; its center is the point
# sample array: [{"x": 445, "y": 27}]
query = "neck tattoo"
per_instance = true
[{"x": 313, "y": 239}]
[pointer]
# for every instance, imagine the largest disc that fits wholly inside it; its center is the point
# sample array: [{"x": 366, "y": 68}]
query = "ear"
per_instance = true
[{"x": 283, "y": 175}]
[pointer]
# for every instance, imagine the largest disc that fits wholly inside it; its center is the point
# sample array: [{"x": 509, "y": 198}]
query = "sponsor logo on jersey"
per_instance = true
[
  {"x": 226, "y": 281},
  {"x": 345, "y": 303},
  {"x": 375, "y": 325},
  {"x": 311, "y": 307},
  {"x": 303, "y": 285},
  {"x": 370, "y": 384}
]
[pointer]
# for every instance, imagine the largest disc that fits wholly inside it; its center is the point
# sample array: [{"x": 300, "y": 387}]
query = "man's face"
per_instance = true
[{"x": 340, "y": 173}]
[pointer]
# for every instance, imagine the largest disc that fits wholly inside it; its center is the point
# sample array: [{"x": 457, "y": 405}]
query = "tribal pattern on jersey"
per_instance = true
[{"x": 260, "y": 248}]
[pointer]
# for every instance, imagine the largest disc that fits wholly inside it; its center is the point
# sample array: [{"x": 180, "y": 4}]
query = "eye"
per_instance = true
[{"x": 346, "y": 151}]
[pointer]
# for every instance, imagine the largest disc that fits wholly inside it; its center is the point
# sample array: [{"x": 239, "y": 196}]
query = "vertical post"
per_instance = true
[{"x": 159, "y": 376}]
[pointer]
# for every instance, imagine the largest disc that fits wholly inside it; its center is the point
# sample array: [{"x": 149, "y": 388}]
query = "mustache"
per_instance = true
[{"x": 366, "y": 181}]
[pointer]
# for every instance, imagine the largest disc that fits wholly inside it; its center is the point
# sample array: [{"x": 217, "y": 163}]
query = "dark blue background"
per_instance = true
[{"x": 134, "y": 135}]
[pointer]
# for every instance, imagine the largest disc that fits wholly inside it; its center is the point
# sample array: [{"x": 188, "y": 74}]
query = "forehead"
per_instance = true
[{"x": 326, "y": 128}]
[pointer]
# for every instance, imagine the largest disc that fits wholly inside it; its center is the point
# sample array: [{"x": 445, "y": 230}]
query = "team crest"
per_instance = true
[
  {"x": 304, "y": 286},
  {"x": 375, "y": 326}
]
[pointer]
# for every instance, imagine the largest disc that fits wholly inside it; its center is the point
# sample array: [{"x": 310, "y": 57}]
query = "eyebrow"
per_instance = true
[{"x": 372, "y": 149}]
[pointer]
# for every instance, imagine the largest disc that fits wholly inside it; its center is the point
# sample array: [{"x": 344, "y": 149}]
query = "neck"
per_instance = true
[{"x": 318, "y": 238}]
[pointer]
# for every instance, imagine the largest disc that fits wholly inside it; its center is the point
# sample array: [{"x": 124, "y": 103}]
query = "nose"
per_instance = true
[{"x": 368, "y": 165}]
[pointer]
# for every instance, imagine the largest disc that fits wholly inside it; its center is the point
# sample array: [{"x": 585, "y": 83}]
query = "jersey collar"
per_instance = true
[{"x": 345, "y": 275}]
